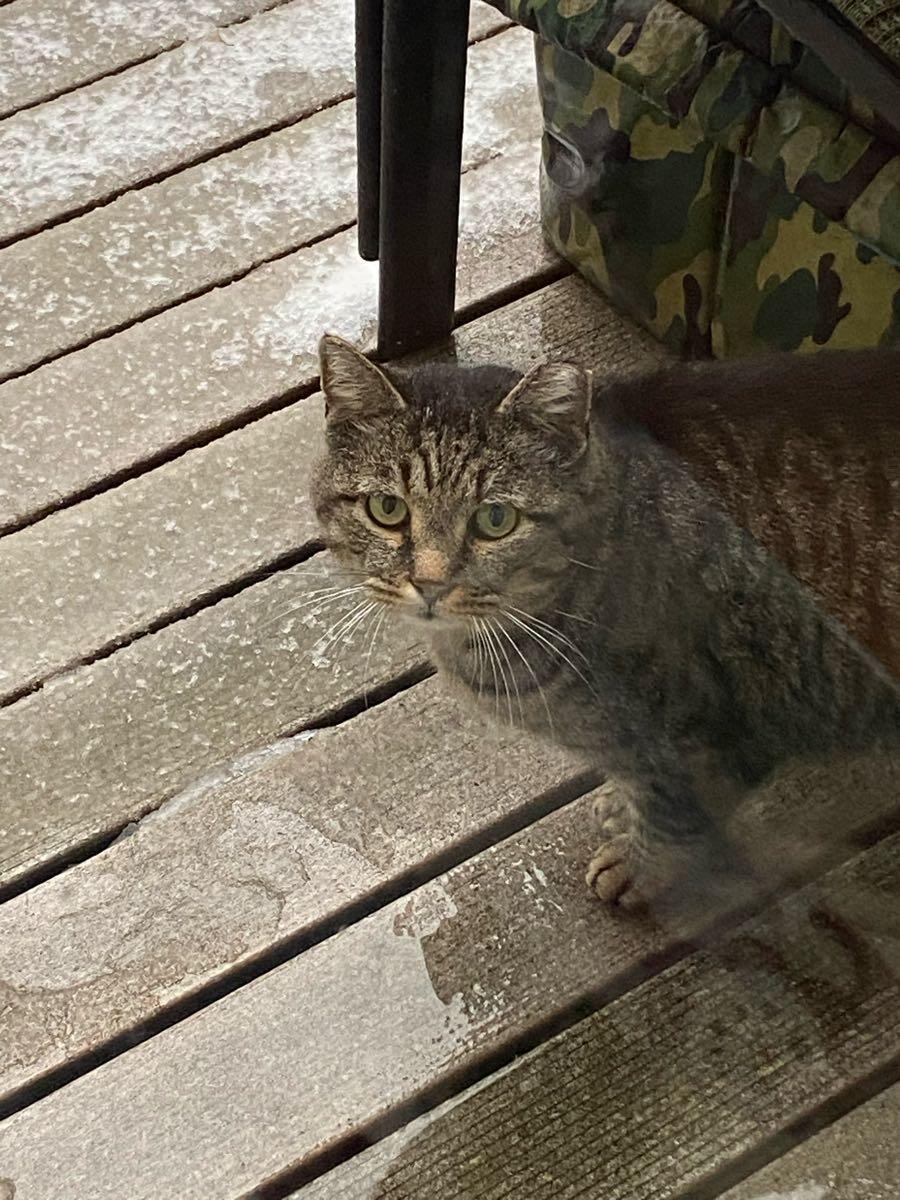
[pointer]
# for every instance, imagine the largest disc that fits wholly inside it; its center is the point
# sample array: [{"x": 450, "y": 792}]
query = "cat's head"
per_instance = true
[{"x": 452, "y": 492}]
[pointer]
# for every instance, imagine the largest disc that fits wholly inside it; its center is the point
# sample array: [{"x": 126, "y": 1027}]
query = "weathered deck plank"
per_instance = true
[
  {"x": 856, "y": 1158},
  {"x": 781, "y": 1017},
  {"x": 639, "y": 1102},
  {"x": 94, "y": 575},
  {"x": 701, "y": 1064},
  {"x": 316, "y": 826},
  {"x": 54, "y": 46},
  {"x": 56, "y": 801},
  {"x": 99, "y": 572},
  {"x": 244, "y": 866},
  {"x": 352, "y": 1026},
  {"x": 91, "y": 144},
  {"x": 153, "y": 247},
  {"x": 103, "y": 745},
  {"x": 234, "y": 351}
]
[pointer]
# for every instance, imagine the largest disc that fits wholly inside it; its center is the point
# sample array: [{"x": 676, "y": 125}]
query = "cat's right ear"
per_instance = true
[
  {"x": 355, "y": 389},
  {"x": 554, "y": 398}
]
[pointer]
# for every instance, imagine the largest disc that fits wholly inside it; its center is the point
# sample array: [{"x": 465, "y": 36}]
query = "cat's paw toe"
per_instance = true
[{"x": 609, "y": 874}]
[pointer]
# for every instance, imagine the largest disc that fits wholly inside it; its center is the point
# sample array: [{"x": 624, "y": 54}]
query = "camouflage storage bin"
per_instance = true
[{"x": 714, "y": 178}]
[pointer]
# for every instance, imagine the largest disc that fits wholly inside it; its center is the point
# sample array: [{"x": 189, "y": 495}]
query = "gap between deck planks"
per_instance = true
[
  {"x": 856, "y": 1158},
  {"x": 104, "y": 745},
  {"x": 209, "y": 95},
  {"x": 451, "y": 980},
  {"x": 675, "y": 1085},
  {"x": 130, "y": 730},
  {"x": 210, "y": 224},
  {"x": 55, "y": 46},
  {"x": 254, "y": 870},
  {"x": 269, "y": 862},
  {"x": 103, "y": 571},
  {"x": 248, "y": 349}
]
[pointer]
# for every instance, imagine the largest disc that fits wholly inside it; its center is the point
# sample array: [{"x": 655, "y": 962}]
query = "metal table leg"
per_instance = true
[
  {"x": 423, "y": 88},
  {"x": 369, "y": 24}
]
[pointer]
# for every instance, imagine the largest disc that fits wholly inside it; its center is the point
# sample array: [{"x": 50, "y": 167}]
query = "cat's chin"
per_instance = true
[{"x": 436, "y": 624}]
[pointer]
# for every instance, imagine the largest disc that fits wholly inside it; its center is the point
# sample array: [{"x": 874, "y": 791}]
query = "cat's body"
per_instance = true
[{"x": 625, "y": 615}]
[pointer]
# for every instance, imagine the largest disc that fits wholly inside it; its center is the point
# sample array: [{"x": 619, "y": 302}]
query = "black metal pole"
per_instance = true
[
  {"x": 369, "y": 25},
  {"x": 423, "y": 89}
]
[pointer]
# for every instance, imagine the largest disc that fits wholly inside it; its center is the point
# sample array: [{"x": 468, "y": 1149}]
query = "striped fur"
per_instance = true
[{"x": 630, "y": 616}]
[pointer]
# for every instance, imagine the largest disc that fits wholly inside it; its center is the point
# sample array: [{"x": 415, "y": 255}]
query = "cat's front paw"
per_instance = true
[
  {"x": 627, "y": 871},
  {"x": 611, "y": 873},
  {"x": 636, "y": 865},
  {"x": 610, "y": 876}
]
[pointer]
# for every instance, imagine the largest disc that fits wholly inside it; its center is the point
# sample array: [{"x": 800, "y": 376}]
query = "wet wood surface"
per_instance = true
[
  {"x": 283, "y": 852},
  {"x": 706, "y": 1063}
]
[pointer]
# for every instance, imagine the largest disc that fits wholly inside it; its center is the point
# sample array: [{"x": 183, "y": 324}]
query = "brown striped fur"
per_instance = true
[{"x": 805, "y": 453}]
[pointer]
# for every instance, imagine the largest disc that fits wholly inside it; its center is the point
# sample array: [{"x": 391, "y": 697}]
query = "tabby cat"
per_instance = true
[{"x": 573, "y": 576}]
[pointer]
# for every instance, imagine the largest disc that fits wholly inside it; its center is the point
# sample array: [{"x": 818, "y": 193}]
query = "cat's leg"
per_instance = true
[
  {"x": 650, "y": 840},
  {"x": 609, "y": 873}
]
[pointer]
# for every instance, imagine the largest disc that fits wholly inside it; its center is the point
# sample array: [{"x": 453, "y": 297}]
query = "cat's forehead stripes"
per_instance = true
[
  {"x": 441, "y": 464},
  {"x": 418, "y": 473}
]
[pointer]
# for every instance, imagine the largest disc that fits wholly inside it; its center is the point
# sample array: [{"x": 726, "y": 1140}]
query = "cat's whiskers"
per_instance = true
[
  {"x": 475, "y": 646},
  {"x": 575, "y": 617},
  {"x": 349, "y": 629},
  {"x": 551, "y": 630},
  {"x": 497, "y": 627},
  {"x": 322, "y": 597},
  {"x": 553, "y": 649},
  {"x": 333, "y": 634},
  {"x": 587, "y": 566},
  {"x": 495, "y": 659},
  {"x": 482, "y": 660},
  {"x": 376, "y": 629},
  {"x": 494, "y": 642},
  {"x": 492, "y": 659},
  {"x": 528, "y": 667}
]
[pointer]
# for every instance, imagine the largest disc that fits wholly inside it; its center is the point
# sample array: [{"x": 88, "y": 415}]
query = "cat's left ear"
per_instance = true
[
  {"x": 556, "y": 399},
  {"x": 355, "y": 389}
]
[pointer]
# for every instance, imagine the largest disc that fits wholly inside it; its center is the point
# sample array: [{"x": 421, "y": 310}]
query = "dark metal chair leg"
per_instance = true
[
  {"x": 369, "y": 25},
  {"x": 423, "y": 89}
]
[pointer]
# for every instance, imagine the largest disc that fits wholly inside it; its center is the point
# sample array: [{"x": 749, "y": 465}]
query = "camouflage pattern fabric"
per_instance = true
[
  {"x": 577, "y": 25},
  {"x": 812, "y": 283},
  {"x": 879, "y": 20},
  {"x": 632, "y": 197},
  {"x": 704, "y": 190}
]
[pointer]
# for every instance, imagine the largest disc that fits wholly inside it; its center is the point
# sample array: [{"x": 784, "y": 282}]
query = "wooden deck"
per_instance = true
[{"x": 281, "y": 920}]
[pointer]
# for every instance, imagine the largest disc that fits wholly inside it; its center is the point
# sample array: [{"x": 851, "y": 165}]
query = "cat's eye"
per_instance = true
[
  {"x": 387, "y": 510},
  {"x": 494, "y": 520}
]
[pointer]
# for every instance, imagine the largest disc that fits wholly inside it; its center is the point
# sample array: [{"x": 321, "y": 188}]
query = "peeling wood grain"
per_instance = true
[{"x": 244, "y": 867}]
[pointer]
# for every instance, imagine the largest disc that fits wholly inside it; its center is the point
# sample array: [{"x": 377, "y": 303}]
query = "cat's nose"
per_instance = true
[{"x": 431, "y": 591}]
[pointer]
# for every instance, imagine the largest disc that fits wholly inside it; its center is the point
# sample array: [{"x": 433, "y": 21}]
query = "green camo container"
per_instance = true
[{"x": 713, "y": 178}]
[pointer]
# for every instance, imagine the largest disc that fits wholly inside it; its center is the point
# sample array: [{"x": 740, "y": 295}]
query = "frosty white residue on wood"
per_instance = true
[
  {"x": 487, "y": 216},
  {"x": 807, "y": 1191},
  {"x": 338, "y": 292},
  {"x": 49, "y": 47},
  {"x": 217, "y": 777},
  {"x": 125, "y": 397},
  {"x": 85, "y": 145},
  {"x": 342, "y": 296},
  {"x": 154, "y": 245}
]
